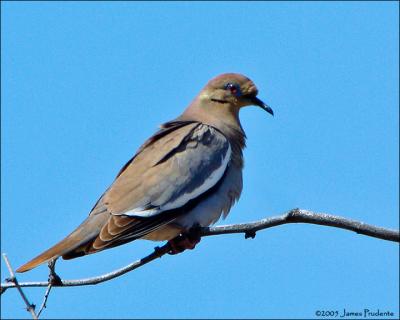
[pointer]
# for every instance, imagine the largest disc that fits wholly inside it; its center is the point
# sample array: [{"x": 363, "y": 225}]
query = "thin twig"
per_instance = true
[
  {"x": 29, "y": 307},
  {"x": 46, "y": 296},
  {"x": 53, "y": 279},
  {"x": 249, "y": 229},
  {"x": 157, "y": 253},
  {"x": 306, "y": 216}
]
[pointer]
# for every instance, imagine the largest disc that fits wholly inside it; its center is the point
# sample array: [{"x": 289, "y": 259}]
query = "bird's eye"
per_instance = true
[{"x": 233, "y": 88}]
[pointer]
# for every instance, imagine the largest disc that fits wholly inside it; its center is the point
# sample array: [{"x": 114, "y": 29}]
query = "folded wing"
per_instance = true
[{"x": 166, "y": 175}]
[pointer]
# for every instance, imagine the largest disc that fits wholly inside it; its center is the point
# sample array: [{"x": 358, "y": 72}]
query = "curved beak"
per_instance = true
[{"x": 262, "y": 105}]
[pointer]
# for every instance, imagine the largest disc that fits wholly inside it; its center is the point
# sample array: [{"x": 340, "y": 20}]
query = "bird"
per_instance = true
[{"x": 188, "y": 174}]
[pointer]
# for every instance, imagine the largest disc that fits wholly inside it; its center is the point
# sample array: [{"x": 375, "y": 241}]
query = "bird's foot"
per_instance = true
[
  {"x": 185, "y": 241},
  {"x": 54, "y": 278}
]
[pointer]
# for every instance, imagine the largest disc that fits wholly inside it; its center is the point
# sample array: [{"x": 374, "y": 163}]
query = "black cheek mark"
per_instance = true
[{"x": 219, "y": 101}]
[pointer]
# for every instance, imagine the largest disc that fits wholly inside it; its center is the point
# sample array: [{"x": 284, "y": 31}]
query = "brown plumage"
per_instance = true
[{"x": 189, "y": 172}]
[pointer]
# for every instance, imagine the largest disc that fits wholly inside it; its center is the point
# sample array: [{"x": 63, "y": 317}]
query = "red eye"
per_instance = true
[{"x": 233, "y": 88}]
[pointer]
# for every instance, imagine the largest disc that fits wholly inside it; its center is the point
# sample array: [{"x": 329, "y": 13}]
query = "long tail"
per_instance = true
[{"x": 86, "y": 232}]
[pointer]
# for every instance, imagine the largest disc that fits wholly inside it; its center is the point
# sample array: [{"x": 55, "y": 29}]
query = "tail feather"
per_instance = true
[{"x": 86, "y": 232}]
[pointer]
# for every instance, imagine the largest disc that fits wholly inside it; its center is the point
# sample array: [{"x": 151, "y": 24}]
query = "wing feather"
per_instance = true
[
  {"x": 170, "y": 172},
  {"x": 167, "y": 175}
]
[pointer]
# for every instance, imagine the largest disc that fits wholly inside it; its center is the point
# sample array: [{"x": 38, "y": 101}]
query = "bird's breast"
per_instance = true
[{"x": 216, "y": 204}]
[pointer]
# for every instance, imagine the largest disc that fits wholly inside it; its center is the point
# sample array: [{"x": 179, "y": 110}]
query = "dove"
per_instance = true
[{"x": 188, "y": 174}]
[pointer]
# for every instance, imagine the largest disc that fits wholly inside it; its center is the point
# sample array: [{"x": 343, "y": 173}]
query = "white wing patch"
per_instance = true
[
  {"x": 141, "y": 212},
  {"x": 211, "y": 181}
]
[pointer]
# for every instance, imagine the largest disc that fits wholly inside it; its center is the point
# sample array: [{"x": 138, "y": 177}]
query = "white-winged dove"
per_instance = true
[{"x": 188, "y": 173}]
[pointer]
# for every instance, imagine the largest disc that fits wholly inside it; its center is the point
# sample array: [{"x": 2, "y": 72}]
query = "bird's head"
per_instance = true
[
  {"x": 232, "y": 90},
  {"x": 219, "y": 102}
]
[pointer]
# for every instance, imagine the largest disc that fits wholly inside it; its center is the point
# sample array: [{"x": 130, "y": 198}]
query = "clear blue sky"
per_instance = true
[{"x": 84, "y": 84}]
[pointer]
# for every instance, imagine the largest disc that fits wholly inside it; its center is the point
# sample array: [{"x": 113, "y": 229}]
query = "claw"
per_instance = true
[{"x": 183, "y": 242}]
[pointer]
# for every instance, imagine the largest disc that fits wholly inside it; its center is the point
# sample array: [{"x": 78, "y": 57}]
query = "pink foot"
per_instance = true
[{"x": 183, "y": 242}]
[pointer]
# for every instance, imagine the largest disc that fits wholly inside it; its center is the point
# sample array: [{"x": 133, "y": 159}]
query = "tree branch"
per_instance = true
[
  {"x": 305, "y": 216},
  {"x": 13, "y": 279},
  {"x": 46, "y": 296},
  {"x": 249, "y": 229}
]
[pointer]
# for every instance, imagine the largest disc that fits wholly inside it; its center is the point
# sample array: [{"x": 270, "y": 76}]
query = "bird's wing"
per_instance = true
[{"x": 170, "y": 171}]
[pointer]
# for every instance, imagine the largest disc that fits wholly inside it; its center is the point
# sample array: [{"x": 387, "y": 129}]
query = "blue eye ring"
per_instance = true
[{"x": 233, "y": 88}]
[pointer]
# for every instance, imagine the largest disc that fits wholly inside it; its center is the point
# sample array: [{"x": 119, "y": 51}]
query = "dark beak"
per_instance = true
[{"x": 262, "y": 105}]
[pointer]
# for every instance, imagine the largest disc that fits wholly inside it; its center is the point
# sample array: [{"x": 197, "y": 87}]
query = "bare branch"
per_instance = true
[
  {"x": 46, "y": 296},
  {"x": 157, "y": 253},
  {"x": 29, "y": 307},
  {"x": 249, "y": 229},
  {"x": 305, "y": 216}
]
